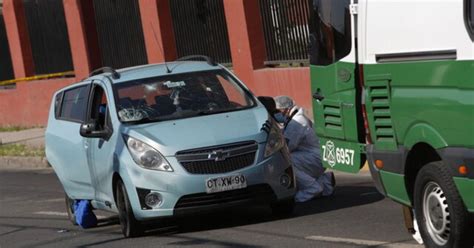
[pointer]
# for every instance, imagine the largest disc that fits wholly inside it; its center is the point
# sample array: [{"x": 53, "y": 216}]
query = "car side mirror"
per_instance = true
[
  {"x": 269, "y": 104},
  {"x": 89, "y": 130}
]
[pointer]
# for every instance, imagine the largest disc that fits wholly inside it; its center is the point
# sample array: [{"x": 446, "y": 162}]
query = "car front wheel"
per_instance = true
[
  {"x": 70, "y": 209},
  {"x": 130, "y": 226}
]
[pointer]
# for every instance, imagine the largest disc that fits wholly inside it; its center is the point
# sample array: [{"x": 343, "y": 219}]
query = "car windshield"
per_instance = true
[{"x": 179, "y": 96}]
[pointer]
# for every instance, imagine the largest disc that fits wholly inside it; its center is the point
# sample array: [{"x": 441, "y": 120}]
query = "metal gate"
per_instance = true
[
  {"x": 120, "y": 33},
  {"x": 48, "y": 36},
  {"x": 6, "y": 68},
  {"x": 200, "y": 28},
  {"x": 285, "y": 25}
]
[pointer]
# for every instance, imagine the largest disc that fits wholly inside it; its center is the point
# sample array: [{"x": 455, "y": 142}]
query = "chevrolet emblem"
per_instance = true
[{"x": 218, "y": 155}]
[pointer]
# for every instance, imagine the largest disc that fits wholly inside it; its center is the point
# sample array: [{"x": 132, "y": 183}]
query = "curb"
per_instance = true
[{"x": 9, "y": 162}]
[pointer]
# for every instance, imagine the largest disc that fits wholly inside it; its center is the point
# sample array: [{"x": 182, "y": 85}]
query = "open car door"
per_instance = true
[{"x": 335, "y": 85}]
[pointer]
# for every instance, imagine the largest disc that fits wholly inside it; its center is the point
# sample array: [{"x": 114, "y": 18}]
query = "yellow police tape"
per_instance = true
[{"x": 37, "y": 77}]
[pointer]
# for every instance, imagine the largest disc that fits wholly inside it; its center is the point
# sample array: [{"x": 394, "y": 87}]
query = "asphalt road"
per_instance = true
[{"x": 32, "y": 214}]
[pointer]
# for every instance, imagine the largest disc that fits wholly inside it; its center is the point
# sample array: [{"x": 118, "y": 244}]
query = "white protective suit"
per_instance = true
[{"x": 303, "y": 143}]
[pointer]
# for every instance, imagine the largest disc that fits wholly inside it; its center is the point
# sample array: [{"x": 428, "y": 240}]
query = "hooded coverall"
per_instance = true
[{"x": 311, "y": 179}]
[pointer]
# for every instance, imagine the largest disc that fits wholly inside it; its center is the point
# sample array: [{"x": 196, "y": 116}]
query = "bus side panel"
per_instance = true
[
  {"x": 466, "y": 188},
  {"x": 437, "y": 93},
  {"x": 408, "y": 103}
]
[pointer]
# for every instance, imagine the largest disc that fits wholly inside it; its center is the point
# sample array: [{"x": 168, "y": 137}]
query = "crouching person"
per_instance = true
[{"x": 311, "y": 179}]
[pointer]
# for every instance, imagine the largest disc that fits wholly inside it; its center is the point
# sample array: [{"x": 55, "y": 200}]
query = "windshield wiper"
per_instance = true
[
  {"x": 209, "y": 112},
  {"x": 204, "y": 112},
  {"x": 142, "y": 121}
]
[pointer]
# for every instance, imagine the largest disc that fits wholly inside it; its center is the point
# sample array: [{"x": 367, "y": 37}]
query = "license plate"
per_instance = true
[{"x": 226, "y": 183}]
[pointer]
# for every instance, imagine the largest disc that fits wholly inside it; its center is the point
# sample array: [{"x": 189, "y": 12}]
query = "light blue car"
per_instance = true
[{"x": 167, "y": 140}]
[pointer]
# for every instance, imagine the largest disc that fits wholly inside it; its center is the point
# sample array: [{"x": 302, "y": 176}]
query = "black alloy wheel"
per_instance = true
[
  {"x": 70, "y": 209},
  {"x": 130, "y": 226}
]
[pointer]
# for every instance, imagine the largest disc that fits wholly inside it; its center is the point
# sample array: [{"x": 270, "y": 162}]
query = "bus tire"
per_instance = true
[{"x": 442, "y": 216}]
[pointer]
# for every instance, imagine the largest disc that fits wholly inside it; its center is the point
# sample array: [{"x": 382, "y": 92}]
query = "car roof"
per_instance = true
[{"x": 156, "y": 70}]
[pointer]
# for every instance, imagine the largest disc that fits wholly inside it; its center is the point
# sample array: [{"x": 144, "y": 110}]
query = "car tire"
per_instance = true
[
  {"x": 441, "y": 214},
  {"x": 283, "y": 208},
  {"x": 70, "y": 209},
  {"x": 129, "y": 225}
]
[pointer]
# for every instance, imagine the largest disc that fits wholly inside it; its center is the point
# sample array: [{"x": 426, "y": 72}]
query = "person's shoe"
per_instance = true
[
  {"x": 330, "y": 184},
  {"x": 333, "y": 179},
  {"x": 333, "y": 183}
]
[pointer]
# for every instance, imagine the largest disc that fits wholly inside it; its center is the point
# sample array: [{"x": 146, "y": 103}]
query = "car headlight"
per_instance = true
[
  {"x": 146, "y": 156},
  {"x": 275, "y": 140}
]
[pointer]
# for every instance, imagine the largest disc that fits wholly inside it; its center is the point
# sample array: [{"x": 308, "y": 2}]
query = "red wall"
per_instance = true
[
  {"x": 28, "y": 104},
  {"x": 293, "y": 82}
]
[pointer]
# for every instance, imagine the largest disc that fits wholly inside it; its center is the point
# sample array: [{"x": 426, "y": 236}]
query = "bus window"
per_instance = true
[
  {"x": 330, "y": 31},
  {"x": 471, "y": 16}
]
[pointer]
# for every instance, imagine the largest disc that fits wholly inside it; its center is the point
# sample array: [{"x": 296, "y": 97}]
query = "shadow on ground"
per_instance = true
[{"x": 346, "y": 197}]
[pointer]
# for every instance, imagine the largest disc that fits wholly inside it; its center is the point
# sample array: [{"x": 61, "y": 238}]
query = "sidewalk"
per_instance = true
[{"x": 32, "y": 138}]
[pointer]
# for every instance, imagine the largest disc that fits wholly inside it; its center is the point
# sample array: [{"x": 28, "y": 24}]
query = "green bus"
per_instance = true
[{"x": 393, "y": 86}]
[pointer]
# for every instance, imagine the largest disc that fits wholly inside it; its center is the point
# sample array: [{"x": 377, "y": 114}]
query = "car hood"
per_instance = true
[{"x": 169, "y": 137}]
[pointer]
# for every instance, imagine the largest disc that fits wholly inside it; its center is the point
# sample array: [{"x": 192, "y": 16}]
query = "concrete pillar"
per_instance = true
[
  {"x": 80, "y": 20},
  {"x": 18, "y": 38},
  {"x": 158, "y": 30},
  {"x": 247, "y": 42}
]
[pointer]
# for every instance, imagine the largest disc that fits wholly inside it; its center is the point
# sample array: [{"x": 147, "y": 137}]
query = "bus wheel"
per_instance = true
[{"x": 442, "y": 217}]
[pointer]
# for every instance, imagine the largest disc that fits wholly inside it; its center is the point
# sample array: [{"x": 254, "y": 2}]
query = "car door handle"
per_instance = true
[{"x": 317, "y": 95}]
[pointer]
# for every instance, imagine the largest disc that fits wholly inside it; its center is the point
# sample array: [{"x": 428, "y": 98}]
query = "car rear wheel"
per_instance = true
[
  {"x": 70, "y": 209},
  {"x": 130, "y": 226},
  {"x": 283, "y": 208},
  {"x": 442, "y": 217}
]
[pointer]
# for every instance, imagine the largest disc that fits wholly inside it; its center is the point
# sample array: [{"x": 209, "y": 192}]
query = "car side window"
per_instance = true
[
  {"x": 74, "y": 103},
  {"x": 57, "y": 104},
  {"x": 99, "y": 112}
]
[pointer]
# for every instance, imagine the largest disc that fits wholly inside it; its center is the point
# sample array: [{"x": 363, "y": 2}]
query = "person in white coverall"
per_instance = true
[{"x": 311, "y": 179}]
